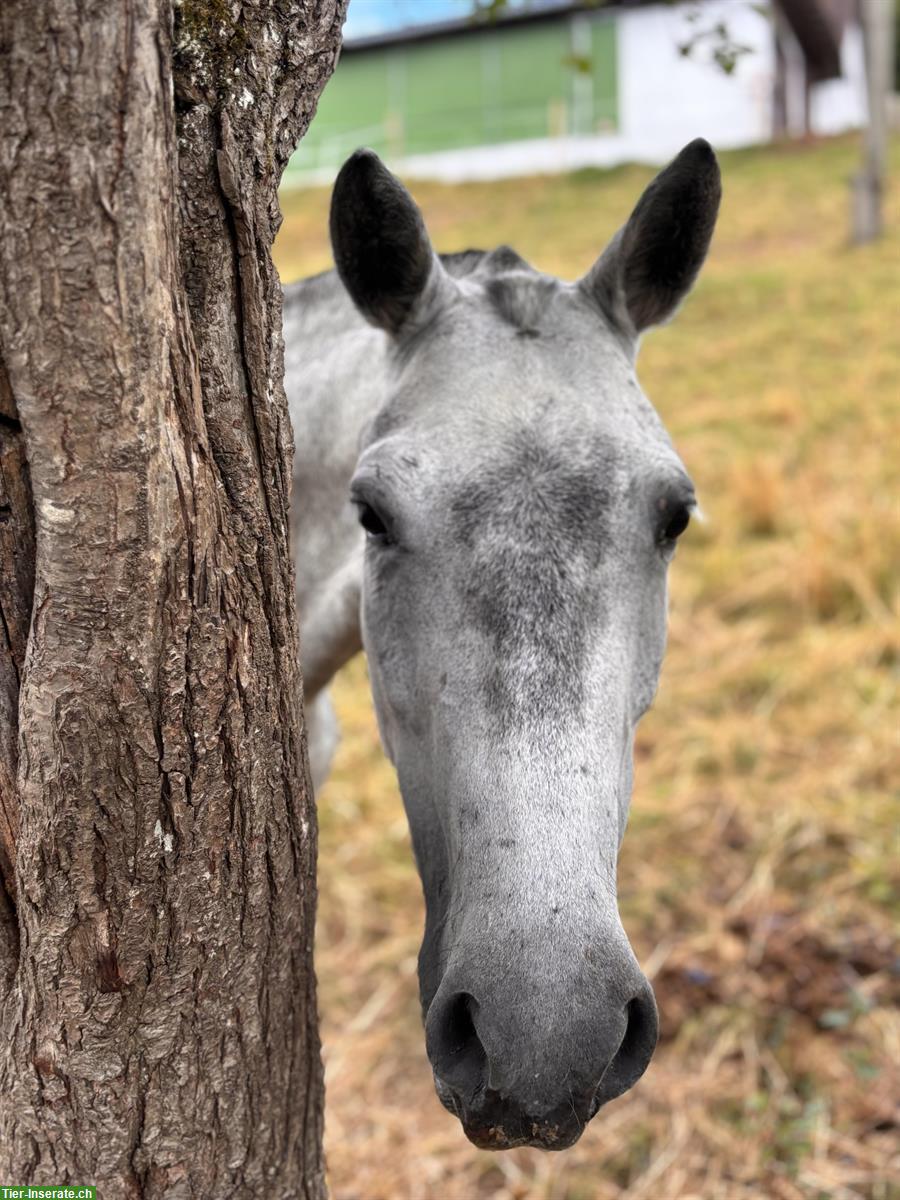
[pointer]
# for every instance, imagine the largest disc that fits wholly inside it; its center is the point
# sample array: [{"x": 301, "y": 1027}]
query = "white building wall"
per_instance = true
[{"x": 666, "y": 99}]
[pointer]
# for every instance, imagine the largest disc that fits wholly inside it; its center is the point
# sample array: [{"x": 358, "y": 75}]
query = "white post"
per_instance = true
[{"x": 868, "y": 185}]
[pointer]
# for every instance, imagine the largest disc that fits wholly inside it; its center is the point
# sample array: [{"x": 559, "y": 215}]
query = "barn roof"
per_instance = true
[{"x": 534, "y": 13}]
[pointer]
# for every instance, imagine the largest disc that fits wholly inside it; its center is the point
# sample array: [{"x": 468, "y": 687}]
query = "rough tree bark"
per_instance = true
[{"x": 157, "y": 839}]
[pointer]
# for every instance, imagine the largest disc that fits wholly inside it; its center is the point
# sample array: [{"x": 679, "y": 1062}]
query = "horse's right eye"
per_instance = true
[{"x": 372, "y": 522}]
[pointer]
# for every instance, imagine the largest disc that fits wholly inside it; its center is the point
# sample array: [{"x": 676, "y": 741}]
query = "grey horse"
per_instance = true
[{"x": 487, "y": 503}]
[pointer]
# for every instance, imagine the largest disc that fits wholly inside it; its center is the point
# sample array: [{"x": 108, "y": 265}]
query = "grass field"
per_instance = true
[{"x": 760, "y": 875}]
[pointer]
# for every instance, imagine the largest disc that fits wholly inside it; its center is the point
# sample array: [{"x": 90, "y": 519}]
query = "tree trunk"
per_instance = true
[{"x": 157, "y": 836}]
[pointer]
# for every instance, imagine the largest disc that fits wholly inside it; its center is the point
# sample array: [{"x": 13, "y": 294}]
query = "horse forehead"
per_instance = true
[
  {"x": 520, "y": 305},
  {"x": 532, "y": 525},
  {"x": 515, "y": 346},
  {"x": 540, "y": 488},
  {"x": 520, "y": 351}
]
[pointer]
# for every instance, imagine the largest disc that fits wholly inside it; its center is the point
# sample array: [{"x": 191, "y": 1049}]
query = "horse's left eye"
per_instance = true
[
  {"x": 372, "y": 522},
  {"x": 676, "y": 523}
]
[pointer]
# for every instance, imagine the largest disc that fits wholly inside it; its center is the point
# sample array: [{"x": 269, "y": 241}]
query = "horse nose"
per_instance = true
[
  {"x": 509, "y": 1088},
  {"x": 454, "y": 1048},
  {"x": 635, "y": 1050}
]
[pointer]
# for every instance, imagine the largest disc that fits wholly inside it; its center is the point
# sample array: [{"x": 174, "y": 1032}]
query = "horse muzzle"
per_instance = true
[{"x": 534, "y": 1074}]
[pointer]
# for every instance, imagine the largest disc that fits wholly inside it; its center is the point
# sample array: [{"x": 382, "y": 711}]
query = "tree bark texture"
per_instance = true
[{"x": 157, "y": 836}]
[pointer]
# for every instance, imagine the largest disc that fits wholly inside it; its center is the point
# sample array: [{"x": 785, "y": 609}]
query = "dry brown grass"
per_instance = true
[{"x": 759, "y": 876}]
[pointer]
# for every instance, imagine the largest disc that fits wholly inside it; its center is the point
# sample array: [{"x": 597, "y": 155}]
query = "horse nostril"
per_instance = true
[
  {"x": 456, "y": 1053},
  {"x": 636, "y": 1049}
]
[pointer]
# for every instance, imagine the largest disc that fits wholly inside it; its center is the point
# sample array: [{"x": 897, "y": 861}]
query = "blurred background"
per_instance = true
[{"x": 760, "y": 875}]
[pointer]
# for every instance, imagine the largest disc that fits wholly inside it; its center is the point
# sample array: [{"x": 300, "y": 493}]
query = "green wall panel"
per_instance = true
[
  {"x": 605, "y": 76},
  {"x": 533, "y": 82},
  {"x": 445, "y": 97},
  {"x": 498, "y": 85}
]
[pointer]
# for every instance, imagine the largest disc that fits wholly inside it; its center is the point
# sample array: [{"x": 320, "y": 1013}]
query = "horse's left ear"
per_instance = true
[
  {"x": 651, "y": 264},
  {"x": 381, "y": 247}
]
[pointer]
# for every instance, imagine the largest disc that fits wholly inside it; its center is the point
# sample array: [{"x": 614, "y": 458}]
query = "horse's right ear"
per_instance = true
[{"x": 381, "y": 248}]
